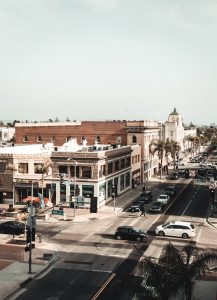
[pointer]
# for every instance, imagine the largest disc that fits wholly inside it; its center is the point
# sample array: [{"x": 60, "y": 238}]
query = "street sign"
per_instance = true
[
  {"x": 212, "y": 186},
  {"x": 57, "y": 212}
]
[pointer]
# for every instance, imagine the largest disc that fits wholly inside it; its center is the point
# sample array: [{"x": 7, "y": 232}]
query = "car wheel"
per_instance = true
[
  {"x": 118, "y": 237},
  {"x": 161, "y": 233},
  {"x": 185, "y": 235},
  {"x": 138, "y": 239}
]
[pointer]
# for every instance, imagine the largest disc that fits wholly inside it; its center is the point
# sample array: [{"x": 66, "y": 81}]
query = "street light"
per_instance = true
[
  {"x": 75, "y": 164},
  {"x": 30, "y": 224}
]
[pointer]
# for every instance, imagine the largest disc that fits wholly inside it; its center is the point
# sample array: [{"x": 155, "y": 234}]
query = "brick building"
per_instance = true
[{"x": 104, "y": 132}]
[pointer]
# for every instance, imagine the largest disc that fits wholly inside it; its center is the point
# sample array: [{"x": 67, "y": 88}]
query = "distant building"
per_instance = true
[
  {"x": 174, "y": 129},
  {"x": 6, "y": 135}
]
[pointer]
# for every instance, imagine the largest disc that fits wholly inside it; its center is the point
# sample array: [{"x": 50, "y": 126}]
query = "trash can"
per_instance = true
[{"x": 71, "y": 204}]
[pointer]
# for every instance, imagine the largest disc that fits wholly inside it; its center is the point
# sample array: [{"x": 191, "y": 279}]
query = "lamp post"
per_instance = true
[
  {"x": 75, "y": 164},
  {"x": 30, "y": 225}
]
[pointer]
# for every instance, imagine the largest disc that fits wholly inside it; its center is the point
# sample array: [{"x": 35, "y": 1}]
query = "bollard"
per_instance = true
[
  {"x": 39, "y": 237},
  {"x": 65, "y": 216}
]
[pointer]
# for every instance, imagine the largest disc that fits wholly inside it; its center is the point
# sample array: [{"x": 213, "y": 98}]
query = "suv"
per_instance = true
[
  {"x": 170, "y": 190},
  {"x": 145, "y": 197},
  {"x": 130, "y": 233},
  {"x": 176, "y": 228}
]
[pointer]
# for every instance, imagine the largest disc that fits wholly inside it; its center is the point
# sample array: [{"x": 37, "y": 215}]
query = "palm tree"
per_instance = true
[
  {"x": 157, "y": 146},
  {"x": 175, "y": 272},
  {"x": 43, "y": 169},
  {"x": 175, "y": 149}
]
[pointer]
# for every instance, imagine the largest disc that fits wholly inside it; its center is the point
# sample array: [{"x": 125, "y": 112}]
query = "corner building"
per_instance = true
[{"x": 114, "y": 132}]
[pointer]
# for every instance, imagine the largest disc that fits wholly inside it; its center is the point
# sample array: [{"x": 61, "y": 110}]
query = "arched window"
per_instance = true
[
  {"x": 98, "y": 139},
  {"x": 134, "y": 139}
]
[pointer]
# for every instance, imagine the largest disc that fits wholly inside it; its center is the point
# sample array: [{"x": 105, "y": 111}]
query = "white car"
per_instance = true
[
  {"x": 176, "y": 228},
  {"x": 163, "y": 198}
]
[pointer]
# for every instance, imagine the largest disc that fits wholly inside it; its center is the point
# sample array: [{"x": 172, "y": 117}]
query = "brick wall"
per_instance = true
[{"x": 108, "y": 131}]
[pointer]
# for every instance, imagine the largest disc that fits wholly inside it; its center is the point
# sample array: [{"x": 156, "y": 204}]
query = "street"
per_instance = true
[{"x": 93, "y": 265}]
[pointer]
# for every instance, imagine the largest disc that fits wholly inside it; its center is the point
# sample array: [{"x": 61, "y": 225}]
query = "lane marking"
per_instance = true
[{"x": 103, "y": 286}]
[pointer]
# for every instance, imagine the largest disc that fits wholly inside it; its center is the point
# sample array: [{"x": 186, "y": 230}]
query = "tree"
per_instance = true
[
  {"x": 157, "y": 146},
  {"x": 43, "y": 168},
  {"x": 175, "y": 272}
]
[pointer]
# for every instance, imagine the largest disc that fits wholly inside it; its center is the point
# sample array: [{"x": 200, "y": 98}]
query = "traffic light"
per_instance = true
[
  {"x": 62, "y": 178},
  {"x": 114, "y": 189},
  {"x": 27, "y": 247},
  {"x": 187, "y": 174},
  {"x": 212, "y": 195},
  {"x": 30, "y": 236},
  {"x": 77, "y": 191}
]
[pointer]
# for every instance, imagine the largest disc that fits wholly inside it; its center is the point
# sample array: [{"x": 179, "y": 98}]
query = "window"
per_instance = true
[
  {"x": 117, "y": 165},
  {"x": 68, "y": 138},
  {"x": 128, "y": 161},
  {"x": 87, "y": 191},
  {"x": 122, "y": 163},
  {"x": 38, "y": 168},
  {"x": 23, "y": 168},
  {"x": 2, "y": 166},
  {"x": 25, "y": 138},
  {"x": 98, "y": 139},
  {"x": 53, "y": 139},
  {"x": 134, "y": 139},
  {"x": 122, "y": 183},
  {"x": 72, "y": 171},
  {"x": 39, "y": 139},
  {"x": 83, "y": 139},
  {"x": 110, "y": 168},
  {"x": 127, "y": 179},
  {"x": 63, "y": 170},
  {"x": 118, "y": 140},
  {"x": 86, "y": 172}
]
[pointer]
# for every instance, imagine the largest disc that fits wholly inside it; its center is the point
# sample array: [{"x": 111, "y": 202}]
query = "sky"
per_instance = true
[{"x": 108, "y": 60}]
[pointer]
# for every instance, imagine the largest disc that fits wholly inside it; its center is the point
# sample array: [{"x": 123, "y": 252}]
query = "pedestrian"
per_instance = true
[
  {"x": 142, "y": 210},
  {"x": 144, "y": 188}
]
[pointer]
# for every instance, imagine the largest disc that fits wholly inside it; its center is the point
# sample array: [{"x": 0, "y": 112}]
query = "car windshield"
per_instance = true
[
  {"x": 136, "y": 229},
  {"x": 156, "y": 204},
  {"x": 163, "y": 196},
  {"x": 170, "y": 188},
  {"x": 166, "y": 224}
]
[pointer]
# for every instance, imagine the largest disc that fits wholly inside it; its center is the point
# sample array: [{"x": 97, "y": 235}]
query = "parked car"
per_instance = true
[
  {"x": 176, "y": 228},
  {"x": 170, "y": 190},
  {"x": 174, "y": 175},
  {"x": 12, "y": 227},
  {"x": 134, "y": 207},
  {"x": 130, "y": 233},
  {"x": 145, "y": 197},
  {"x": 156, "y": 207},
  {"x": 163, "y": 198}
]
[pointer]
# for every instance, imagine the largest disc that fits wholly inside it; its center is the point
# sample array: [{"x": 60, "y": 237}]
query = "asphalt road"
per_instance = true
[{"x": 92, "y": 264}]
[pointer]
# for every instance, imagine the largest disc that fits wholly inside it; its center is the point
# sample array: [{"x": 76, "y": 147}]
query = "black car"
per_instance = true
[
  {"x": 156, "y": 207},
  {"x": 170, "y": 190},
  {"x": 130, "y": 233},
  {"x": 175, "y": 175},
  {"x": 145, "y": 197},
  {"x": 134, "y": 207},
  {"x": 12, "y": 227}
]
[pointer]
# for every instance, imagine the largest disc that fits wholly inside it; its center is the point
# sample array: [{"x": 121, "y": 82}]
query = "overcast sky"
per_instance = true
[{"x": 108, "y": 59}]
